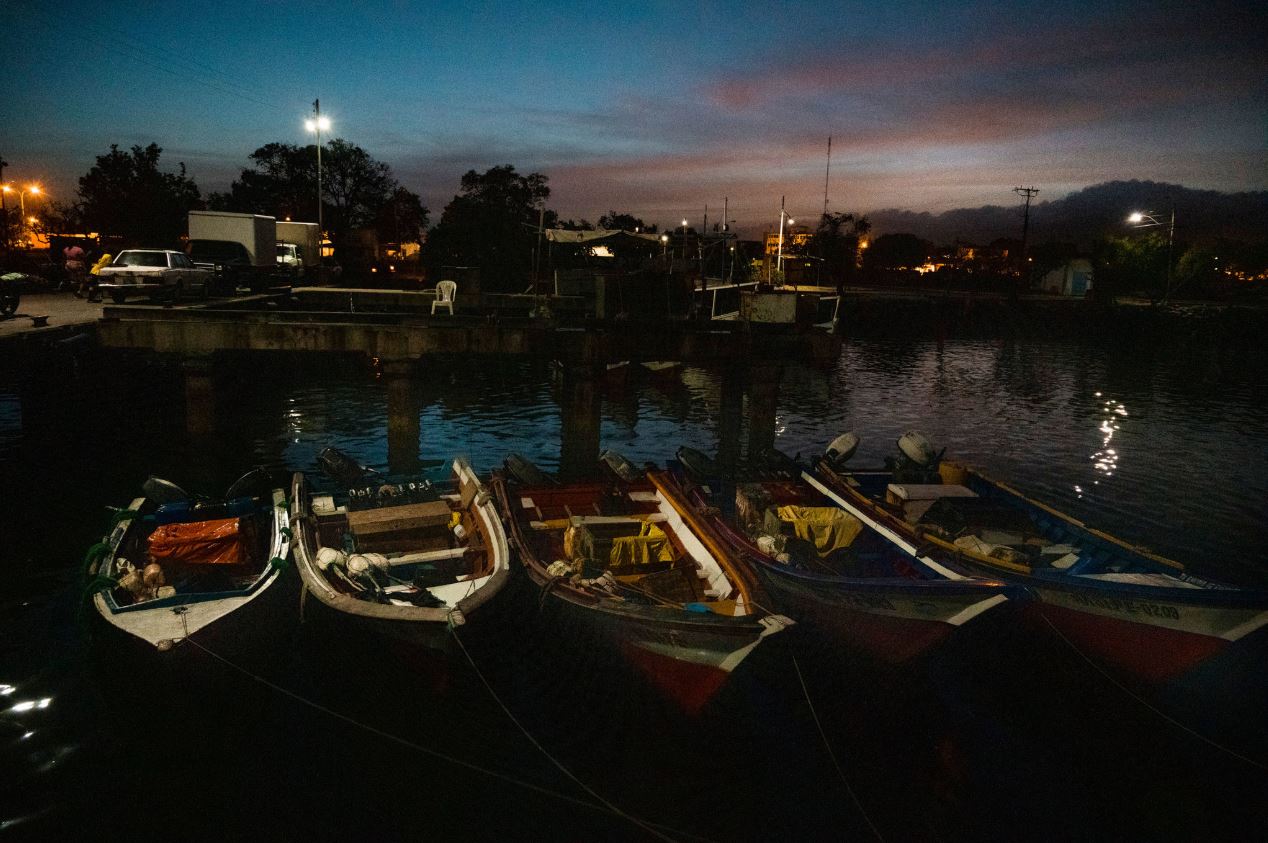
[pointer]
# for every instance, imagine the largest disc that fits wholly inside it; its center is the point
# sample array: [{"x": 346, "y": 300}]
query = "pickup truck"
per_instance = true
[{"x": 157, "y": 273}]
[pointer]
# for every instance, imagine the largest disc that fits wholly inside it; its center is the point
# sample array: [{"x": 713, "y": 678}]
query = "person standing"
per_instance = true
[
  {"x": 94, "y": 292},
  {"x": 75, "y": 270}
]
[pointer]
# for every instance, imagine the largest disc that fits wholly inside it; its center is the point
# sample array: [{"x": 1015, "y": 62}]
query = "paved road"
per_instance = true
[{"x": 62, "y": 310}]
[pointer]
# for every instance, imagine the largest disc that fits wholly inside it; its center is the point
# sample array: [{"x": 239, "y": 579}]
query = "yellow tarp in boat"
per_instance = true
[
  {"x": 826, "y": 527},
  {"x": 650, "y": 545}
]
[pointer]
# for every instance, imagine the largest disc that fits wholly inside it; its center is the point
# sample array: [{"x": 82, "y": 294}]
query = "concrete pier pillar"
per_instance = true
[
  {"x": 403, "y": 408},
  {"x": 200, "y": 396},
  {"x": 730, "y": 417},
  {"x": 581, "y": 416},
  {"x": 763, "y": 403}
]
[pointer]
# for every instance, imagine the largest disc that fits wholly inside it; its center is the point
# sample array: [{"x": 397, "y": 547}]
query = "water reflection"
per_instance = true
[{"x": 929, "y": 748}]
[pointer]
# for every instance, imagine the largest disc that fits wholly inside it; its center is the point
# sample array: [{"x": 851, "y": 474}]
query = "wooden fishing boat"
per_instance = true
[
  {"x": 407, "y": 559},
  {"x": 841, "y": 571},
  {"x": 1126, "y": 604},
  {"x": 174, "y": 565},
  {"x": 628, "y": 564}
]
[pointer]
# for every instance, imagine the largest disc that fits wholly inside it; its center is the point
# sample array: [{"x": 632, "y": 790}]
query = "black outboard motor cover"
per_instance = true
[
  {"x": 342, "y": 468},
  {"x": 622, "y": 468},
  {"x": 526, "y": 473}
]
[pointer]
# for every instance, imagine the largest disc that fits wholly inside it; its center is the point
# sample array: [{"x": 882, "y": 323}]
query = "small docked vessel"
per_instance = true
[
  {"x": 837, "y": 570},
  {"x": 174, "y": 564},
  {"x": 408, "y": 559},
  {"x": 1128, "y": 605},
  {"x": 628, "y": 564}
]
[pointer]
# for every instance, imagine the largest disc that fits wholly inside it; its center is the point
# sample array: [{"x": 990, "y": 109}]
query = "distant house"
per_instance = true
[{"x": 1073, "y": 278}]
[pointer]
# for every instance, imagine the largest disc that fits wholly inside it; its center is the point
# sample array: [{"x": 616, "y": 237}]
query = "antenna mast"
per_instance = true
[{"x": 827, "y": 171}]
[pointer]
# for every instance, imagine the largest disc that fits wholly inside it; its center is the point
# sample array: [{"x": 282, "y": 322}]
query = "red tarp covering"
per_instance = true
[{"x": 216, "y": 542}]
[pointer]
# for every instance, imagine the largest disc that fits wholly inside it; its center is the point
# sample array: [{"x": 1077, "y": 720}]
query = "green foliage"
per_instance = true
[
  {"x": 1131, "y": 265},
  {"x": 492, "y": 224},
  {"x": 126, "y": 194}
]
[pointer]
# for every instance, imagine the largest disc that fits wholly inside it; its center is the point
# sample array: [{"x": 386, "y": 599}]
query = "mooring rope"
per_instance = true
[
  {"x": 828, "y": 746},
  {"x": 558, "y": 764},
  {"x": 397, "y": 739},
  {"x": 1144, "y": 702}
]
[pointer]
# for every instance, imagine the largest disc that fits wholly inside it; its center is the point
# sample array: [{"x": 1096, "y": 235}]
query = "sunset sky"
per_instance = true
[{"x": 658, "y": 108}]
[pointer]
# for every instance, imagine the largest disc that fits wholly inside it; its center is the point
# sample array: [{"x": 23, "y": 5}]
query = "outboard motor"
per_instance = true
[
  {"x": 342, "y": 468},
  {"x": 526, "y": 473},
  {"x": 163, "y": 491},
  {"x": 699, "y": 465},
  {"x": 620, "y": 467},
  {"x": 841, "y": 449},
  {"x": 917, "y": 461}
]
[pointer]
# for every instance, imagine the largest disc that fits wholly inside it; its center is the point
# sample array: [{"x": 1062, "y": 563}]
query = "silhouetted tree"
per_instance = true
[
  {"x": 357, "y": 191},
  {"x": 892, "y": 251},
  {"x": 403, "y": 218},
  {"x": 125, "y": 194},
  {"x": 836, "y": 241},
  {"x": 492, "y": 224},
  {"x": 625, "y": 222}
]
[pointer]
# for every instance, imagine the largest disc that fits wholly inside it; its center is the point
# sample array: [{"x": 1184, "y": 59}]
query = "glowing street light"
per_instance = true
[
  {"x": 1145, "y": 219},
  {"x": 23, "y": 219},
  {"x": 318, "y": 124}
]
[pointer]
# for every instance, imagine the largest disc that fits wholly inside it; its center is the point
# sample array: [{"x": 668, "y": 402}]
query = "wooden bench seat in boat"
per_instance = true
[
  {"x": 408, "y": 527},
  {"x": 914, "y": 499}
]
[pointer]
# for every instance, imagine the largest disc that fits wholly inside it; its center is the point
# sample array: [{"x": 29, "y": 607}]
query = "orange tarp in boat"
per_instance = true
[{"x": 217, "y": 542}]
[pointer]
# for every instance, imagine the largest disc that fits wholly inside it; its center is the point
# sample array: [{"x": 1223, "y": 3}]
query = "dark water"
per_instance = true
[{"x": 314, "y": 732}]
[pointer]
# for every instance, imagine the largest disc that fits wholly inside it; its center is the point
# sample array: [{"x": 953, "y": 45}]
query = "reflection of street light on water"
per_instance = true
[{"x": 1141, "y": 219}]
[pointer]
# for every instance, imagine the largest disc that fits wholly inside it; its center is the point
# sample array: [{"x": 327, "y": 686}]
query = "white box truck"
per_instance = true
[
  {"x": 240, "y": 248},
  {"x": 298, "y": 248}
]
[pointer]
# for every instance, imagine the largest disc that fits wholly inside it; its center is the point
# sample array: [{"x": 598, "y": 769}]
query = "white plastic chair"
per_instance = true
[{"x": 445, "y": 292}]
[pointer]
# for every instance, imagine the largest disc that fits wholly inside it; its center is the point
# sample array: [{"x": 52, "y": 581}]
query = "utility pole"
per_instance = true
[
  {"x": 317, "y": 123},
  {"x": 1028, "y": 192},
  {"x": 826, "y": 172}
]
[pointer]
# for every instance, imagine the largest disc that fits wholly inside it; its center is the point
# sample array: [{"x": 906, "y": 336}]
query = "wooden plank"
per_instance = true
[{"x": 394, "y": 519}]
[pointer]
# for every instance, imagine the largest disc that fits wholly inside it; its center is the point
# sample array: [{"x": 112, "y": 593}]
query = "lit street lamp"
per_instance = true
[
  {"x": 664, "y": 244},
  {"x": 317, "y": 124},
  {"x": 34, "y": 190},
  {"x": 1141, "y": 219}
]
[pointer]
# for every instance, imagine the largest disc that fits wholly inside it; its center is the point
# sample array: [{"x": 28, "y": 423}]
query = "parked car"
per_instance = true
[
  {"x": 229, "y": 262},
  {"x": 157, "y": 273}
]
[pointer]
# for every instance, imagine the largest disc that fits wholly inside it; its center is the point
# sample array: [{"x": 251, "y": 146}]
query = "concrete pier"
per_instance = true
[
  {"x": 581, "y": 419},
  {"x": 403, "y": 410}
]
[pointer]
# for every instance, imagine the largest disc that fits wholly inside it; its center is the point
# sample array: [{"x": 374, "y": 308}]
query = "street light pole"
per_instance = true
[
  {"x": 1140, "y": 219},
  {"x": 316, "y": 124},
  {"x": 779, "y": 260}
]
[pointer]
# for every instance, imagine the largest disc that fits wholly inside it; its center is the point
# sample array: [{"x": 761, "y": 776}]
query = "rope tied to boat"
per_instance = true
[
  {"x": 428, "y": 751},
  {"x": 545, "y": 752}
]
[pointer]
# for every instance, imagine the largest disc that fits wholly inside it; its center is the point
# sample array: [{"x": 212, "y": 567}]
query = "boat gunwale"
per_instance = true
[
  {"x": 105, "y": 598},
  {"x": 634, "y": 613},
  {"x": 316, "y": 584},
  {"x": 1199, "y": 597}
]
